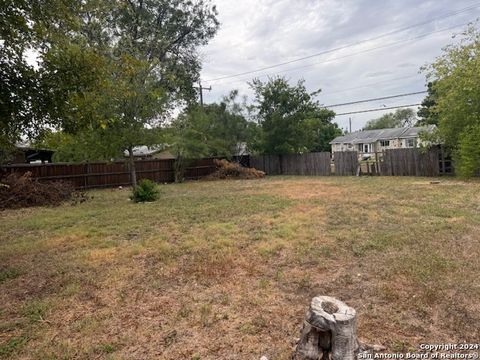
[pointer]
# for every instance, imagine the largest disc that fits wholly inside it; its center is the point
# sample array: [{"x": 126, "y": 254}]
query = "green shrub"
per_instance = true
[
  {"x": 146, "y": 190},
  {"x": 468, "y": 155}
]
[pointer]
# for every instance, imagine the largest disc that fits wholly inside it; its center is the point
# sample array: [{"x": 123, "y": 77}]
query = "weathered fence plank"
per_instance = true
[
  {"x": 100, "y": 174},
  {"x": 411, "y": 162},
  {"x": 293, "y": 164},
  {"x": 392, "y": 162},
  {"x": 346, "y": 163}
]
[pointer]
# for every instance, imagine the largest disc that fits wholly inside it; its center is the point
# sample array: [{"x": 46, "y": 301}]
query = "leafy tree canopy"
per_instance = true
[
  {"x": 213, "y": 130},
  {"x": 289, "y": 119},
  {"x": 400, "y": 118},
  {"x": 108, "y": 71},
  {"x": 26, "y": 26},
  {"x": 427, "y": 113},
  {"x": 468, "y": 152},
  {"x": 127, "y": 65},
  {"x": 455, "y": 76}
]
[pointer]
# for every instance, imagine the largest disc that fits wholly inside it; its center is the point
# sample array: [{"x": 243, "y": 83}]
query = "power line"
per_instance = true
[
  {"x": 352, "y": 54},
  {"x": 378, "y": 109},
  {"x": 375, "y": 99},
  {"x": 369, "y": 84},
  {"x": 471, "y": 7}
]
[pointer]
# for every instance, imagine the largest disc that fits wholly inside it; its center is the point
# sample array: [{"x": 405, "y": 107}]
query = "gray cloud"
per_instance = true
[
  {"x": 379, "y": 73},
  {"x": 260, "y": 33},
  {"x": 405, "y": 65}
]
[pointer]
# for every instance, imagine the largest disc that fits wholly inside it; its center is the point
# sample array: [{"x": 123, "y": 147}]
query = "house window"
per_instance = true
[
  {"x": 366, "y": 148},
  {"x": 360, "y": 147},
  {"x": 384, "y": 143},
  {"x": 411, "y": 142}
]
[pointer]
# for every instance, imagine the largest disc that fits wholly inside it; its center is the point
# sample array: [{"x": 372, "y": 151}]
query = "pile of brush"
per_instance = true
[
  {"x": 233, "y": 170},
  {"x": 18, "y": 191}
]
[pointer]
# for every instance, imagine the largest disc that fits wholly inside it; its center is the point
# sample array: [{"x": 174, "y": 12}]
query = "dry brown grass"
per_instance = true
[{"x": 224, "y": 270}]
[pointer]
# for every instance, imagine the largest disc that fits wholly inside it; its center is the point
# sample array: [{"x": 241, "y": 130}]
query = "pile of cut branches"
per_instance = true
[
  {"x": 18, "y": 191},
  {"x": 233, "y": 170}
]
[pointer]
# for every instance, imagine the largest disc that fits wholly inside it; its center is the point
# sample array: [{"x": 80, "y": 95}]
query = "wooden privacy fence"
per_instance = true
[
  {"x": 410, "y": 162},
  {"x": 407, "y": 162},
  {"x": 392, "y": 162},
  {"x": 346, "y": 163},
  {"x": 270, "y": 164},
  {"x": 293, "y": 164},
  {"x": 101, "y": 174}
]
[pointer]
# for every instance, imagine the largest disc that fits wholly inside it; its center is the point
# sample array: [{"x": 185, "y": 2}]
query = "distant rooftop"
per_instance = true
[
  {"x": 26, "y": 145},
  {"x": 144, "y": 150},
  {"x": 370, "y": 136}
]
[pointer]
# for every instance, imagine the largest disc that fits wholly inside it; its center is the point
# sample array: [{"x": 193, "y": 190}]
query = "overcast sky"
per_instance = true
[{"x": 261, "y": 33}]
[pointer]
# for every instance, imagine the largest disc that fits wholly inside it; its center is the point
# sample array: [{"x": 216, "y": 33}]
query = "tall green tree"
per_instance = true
[
  {"x": 16, "y": 76},
  {"x": 289, "y": 119},
  {"x": 399, "y": 118},
  {"x": 188, "y": 137},
  {"x": 427, "y": 113},
  {"x": 126, "y": 66},
  {"x": 319, "y": 134},
  {"x": 209, "y": 131},
  {"x": 228, "y": 126},
  {"x": 17, "y": 87},
  {"x": 25, "y": 26},
  {"x": 455, "y": 75}
]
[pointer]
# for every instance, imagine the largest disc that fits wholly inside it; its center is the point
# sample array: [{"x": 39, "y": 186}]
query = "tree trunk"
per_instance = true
[
  {"x": 131, "y": 163},
  {"x": 329, "y": 331},
  {"x": 179, "y": 171}
]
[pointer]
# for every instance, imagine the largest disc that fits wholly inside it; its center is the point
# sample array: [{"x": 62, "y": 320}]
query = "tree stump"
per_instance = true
[{"x": 329, "y": 331}]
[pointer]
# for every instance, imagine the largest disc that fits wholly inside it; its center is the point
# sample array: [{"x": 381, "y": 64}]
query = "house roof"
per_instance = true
[
  {"x": 25, "y": 146},
  {"x": 370, "y": 136},
  {"x": 415, "y": 131},
  {"x": 144, "y": 150}
]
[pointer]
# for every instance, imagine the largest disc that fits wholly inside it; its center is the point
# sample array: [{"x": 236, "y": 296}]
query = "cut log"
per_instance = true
[{"x": 329, "y": 331}]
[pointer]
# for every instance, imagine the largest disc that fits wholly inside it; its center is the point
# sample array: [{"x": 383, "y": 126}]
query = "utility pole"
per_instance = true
[
  {"x": 200, "y": 90},
  {"x": 350, "y": 124}
]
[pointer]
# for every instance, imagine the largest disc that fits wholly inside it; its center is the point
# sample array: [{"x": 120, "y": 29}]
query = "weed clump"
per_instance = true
[{"x": 145, "y": 191}]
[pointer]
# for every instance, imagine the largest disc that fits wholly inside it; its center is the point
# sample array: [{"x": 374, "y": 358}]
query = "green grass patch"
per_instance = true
[
  {"x": 8, "y": 274},
  {"x": 13, "y": 345}
]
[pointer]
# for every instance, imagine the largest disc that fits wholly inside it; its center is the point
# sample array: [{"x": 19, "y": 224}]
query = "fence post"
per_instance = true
[
  {"x": 85, "y": 175},
  {"x": 442, "y": 154}
]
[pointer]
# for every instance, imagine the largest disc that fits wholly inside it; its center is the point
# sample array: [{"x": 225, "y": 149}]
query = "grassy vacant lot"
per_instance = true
[{"x": 225, "y": 270}]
